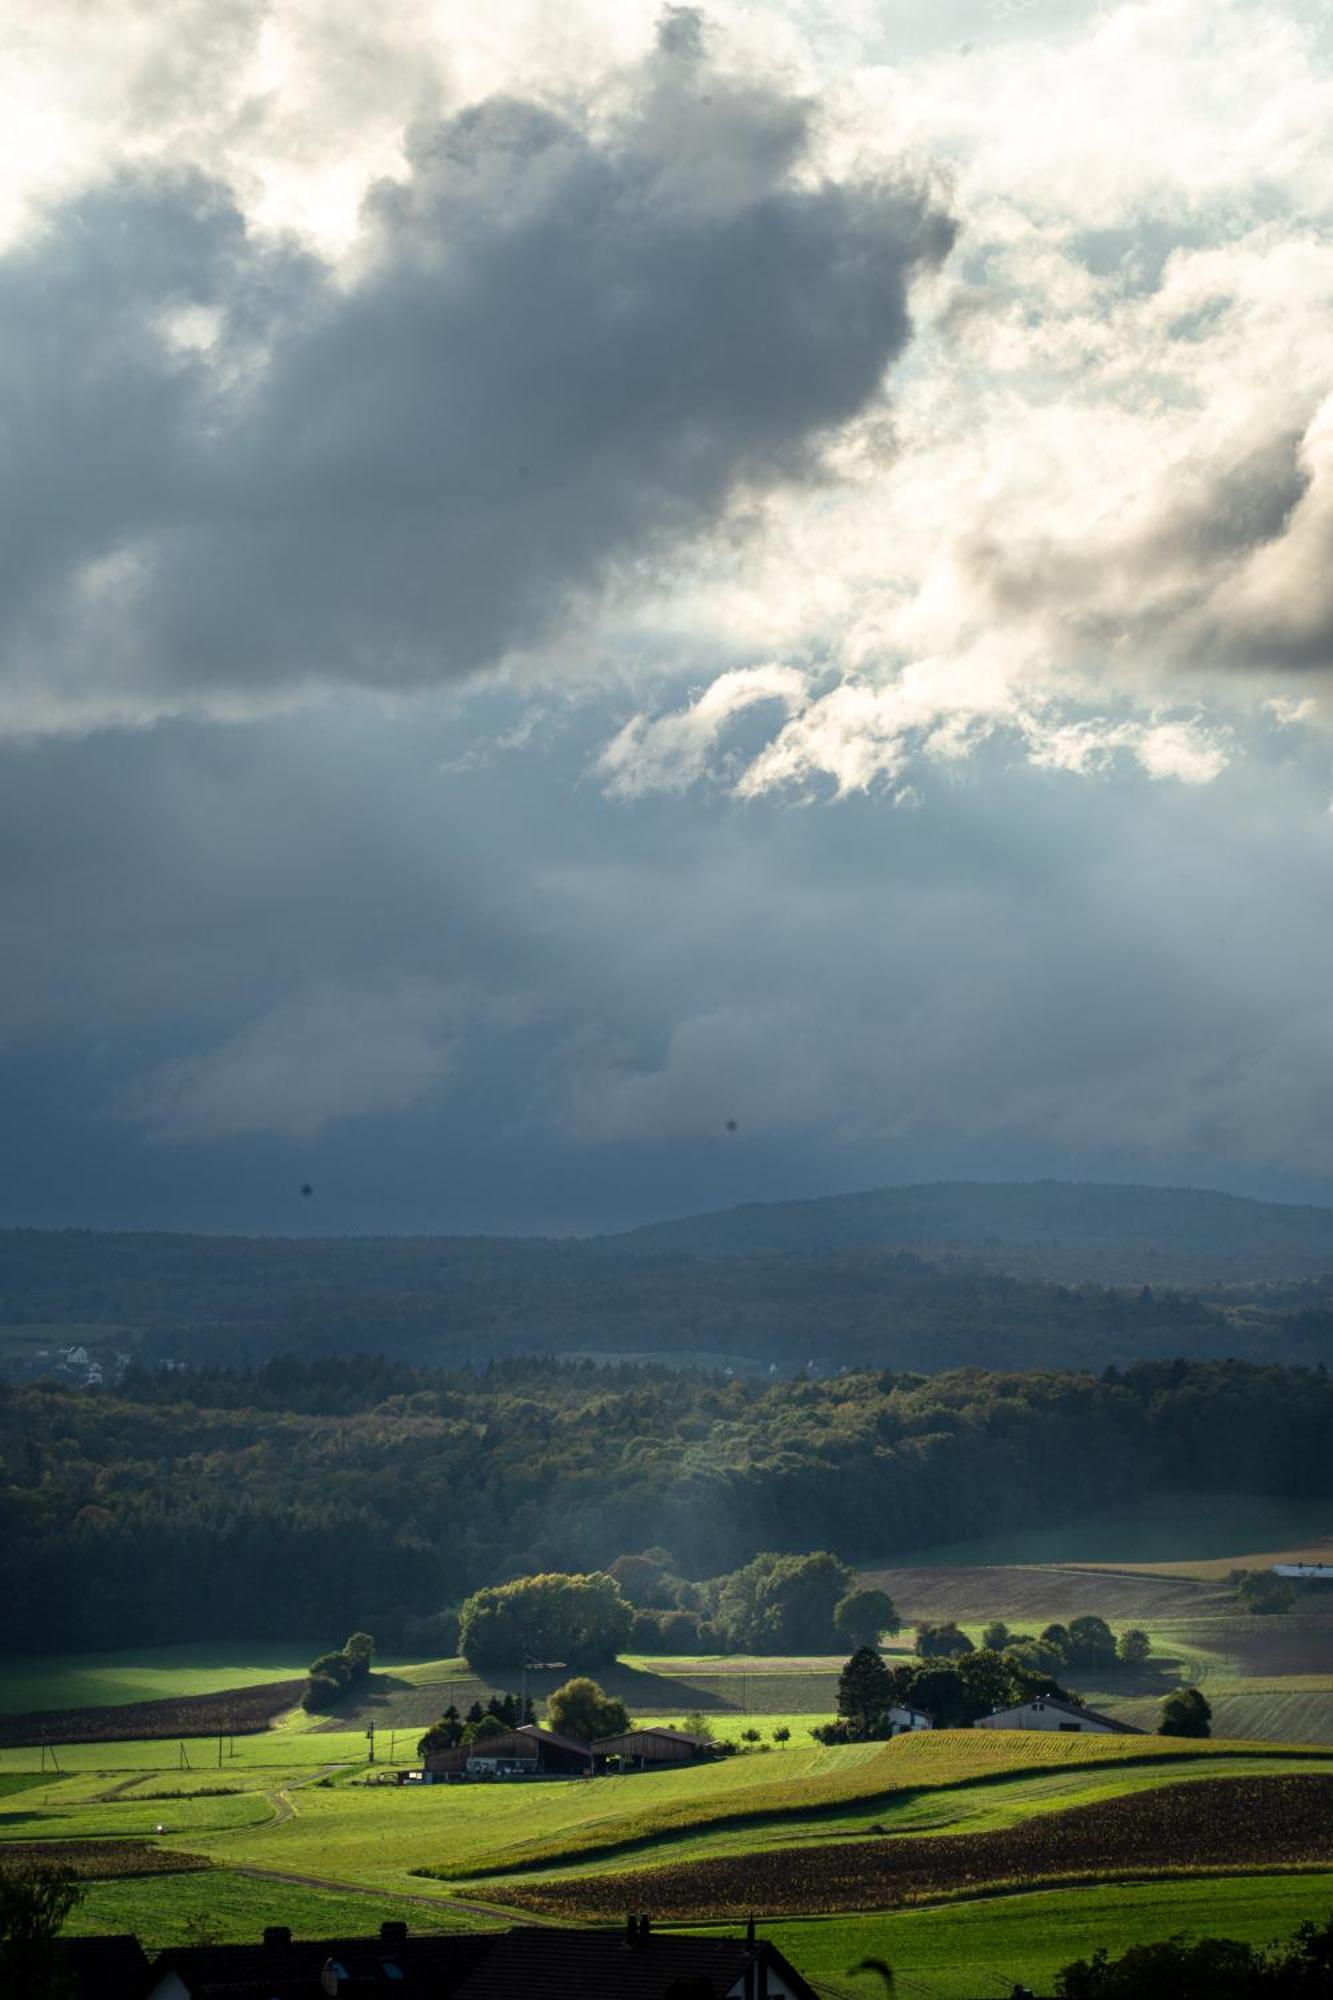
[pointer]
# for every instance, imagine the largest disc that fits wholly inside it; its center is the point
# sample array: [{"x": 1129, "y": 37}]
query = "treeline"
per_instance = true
[
  {"x": 680, "y": 1292},
  {"x": 360, "y": 1494}
]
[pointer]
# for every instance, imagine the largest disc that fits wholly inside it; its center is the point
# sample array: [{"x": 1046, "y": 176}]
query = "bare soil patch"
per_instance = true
[
  {"x": 231, "y": 1712},
  {"x": 1250, "y": 1823},
  {"x": 101, "y": 1860}
]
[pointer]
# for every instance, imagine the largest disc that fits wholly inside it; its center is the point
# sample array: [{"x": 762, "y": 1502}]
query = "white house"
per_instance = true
[
  {"x": 904, "y": 1718},
  {"x": 1305, "y": 1572},
  {"x": 1045, "y": 1712}
]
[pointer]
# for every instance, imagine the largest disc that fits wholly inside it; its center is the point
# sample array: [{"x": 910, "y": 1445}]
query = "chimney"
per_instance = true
[
  {"x": 277, "y": 1935},
  {"x": 644, "y": 1928},
  {"x": 393, "y": 1933},
  {"x": 631, "y": 1928}
]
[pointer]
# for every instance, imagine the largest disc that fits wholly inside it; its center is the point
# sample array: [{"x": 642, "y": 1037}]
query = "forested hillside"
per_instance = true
[
  {"x": 917, "y": 1278},
  {"x": 315, "y": 1497}
]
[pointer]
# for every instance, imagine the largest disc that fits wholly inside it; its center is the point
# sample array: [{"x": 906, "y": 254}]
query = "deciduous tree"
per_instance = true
[{"x": 584, "y": 1710}]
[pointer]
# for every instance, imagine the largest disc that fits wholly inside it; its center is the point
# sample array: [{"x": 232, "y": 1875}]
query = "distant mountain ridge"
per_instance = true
[
  {"x": 1016, "y": 1275},
  {"x": 991, "y": 1213}
]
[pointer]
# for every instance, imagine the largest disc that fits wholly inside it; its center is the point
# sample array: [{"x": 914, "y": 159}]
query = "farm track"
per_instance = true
[{"x": 1222, "y": 1824}]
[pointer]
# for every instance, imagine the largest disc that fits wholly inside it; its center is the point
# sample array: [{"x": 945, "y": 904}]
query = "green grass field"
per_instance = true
[
  {"x": 86, "y": 1680},
  {"x": 226, "y": 1907},
  {"x": 971, "y": 1951},
  {"x": 344, "y": 1832},
  {"x": 293, "y": 1803}
]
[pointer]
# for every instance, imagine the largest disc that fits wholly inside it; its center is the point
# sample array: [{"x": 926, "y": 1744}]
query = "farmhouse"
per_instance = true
[
  {"x": 527, "y": 1752},
  {"x": 903, "y": 1718},
  {"x": 640, "y": 1749},
  {"x": 1044, "y": 1712},
  {"x": 633, "y": 1963}
]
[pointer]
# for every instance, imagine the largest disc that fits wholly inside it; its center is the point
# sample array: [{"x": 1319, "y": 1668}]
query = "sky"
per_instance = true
[{"x": 607, "y": 609}]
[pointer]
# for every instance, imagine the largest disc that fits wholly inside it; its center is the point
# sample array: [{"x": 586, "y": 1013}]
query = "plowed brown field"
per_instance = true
[
  {"x": 1250, "y": 1823},
  {"x": 101, "y": 1860},
  {"x": 232, "y": 1712}
]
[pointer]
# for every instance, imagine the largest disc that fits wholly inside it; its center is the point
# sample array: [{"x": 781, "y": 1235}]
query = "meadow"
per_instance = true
[
  {"x": 980, "y": 1950},
  {"x": 297, "y": 1826}
]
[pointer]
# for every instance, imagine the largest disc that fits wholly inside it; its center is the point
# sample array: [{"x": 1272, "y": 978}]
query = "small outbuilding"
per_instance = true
[
  {"x": 1046, "y": 1712},
  {"x": 641, "y": 1749}
]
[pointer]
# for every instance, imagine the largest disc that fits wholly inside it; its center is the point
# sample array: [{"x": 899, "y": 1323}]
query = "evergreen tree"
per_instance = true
[{"x": 865, "y": 1691}]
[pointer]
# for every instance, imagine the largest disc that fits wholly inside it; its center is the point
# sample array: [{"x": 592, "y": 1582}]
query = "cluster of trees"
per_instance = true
[
  {"x": 1263, "y": 1591},
  {"x": 334, "y": 1675},
  {"x": 798, "y": 1604},
  {"x": 955, "y": 1695},
  {"x": 199, "y": 1504},
  {"x": 582, "y": 1621},
  {"x": 581, "y": 1708},
  {"x": 775, "y": 1604},
  {"x": 501, "y": 1712},
  {"x": 1086, "y": 1642},
  {"x": 957, "y": 1689},
  {"x": 1299, "y": 1968}
]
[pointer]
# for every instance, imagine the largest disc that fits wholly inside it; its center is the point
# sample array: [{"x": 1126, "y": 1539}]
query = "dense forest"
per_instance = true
[
  {"x": 1000, "y": 1277},
  {"x": 311, "y": 1496}
]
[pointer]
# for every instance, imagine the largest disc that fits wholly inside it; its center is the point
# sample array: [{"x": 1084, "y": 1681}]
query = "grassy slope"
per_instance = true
[
  {"x": 85, "y": 1680},
  {"x": 979, "y": 1808},
  {"x": 347, "y": 1832},
  {"x": 667, "y": 1806},
  {"x": 973, "y": 1950},
  {"x": 233, "y": 1908}
]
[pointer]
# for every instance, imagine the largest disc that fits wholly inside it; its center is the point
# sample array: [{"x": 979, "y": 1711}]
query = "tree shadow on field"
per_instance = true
[
  {"x": 1160, "y": 1675},
  {"x": 642, "y": 1692}
]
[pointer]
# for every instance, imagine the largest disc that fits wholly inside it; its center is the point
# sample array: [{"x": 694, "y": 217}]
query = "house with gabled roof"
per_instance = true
[{"x": 1044, "y": 1711}]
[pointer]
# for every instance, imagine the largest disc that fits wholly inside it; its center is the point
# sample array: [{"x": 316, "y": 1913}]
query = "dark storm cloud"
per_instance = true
[
  {"x": 569, "y": 339},
  {"x": 241, "y": 960}
]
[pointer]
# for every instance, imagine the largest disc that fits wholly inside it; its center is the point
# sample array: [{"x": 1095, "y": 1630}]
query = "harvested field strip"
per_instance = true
[
  {"x": 1035, "y": 1591},
  {"x": 101, "y": 1860},
  {"x": 235, "y": 1712},
  {"x": 1232, "y": 1823},
  {"x": 911, "y": 1763}
]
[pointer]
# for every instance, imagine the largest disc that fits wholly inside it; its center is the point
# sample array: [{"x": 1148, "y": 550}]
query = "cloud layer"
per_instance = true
[
  {"x": 586, "y": 576},
  {"x": 571, "y": 338}
]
